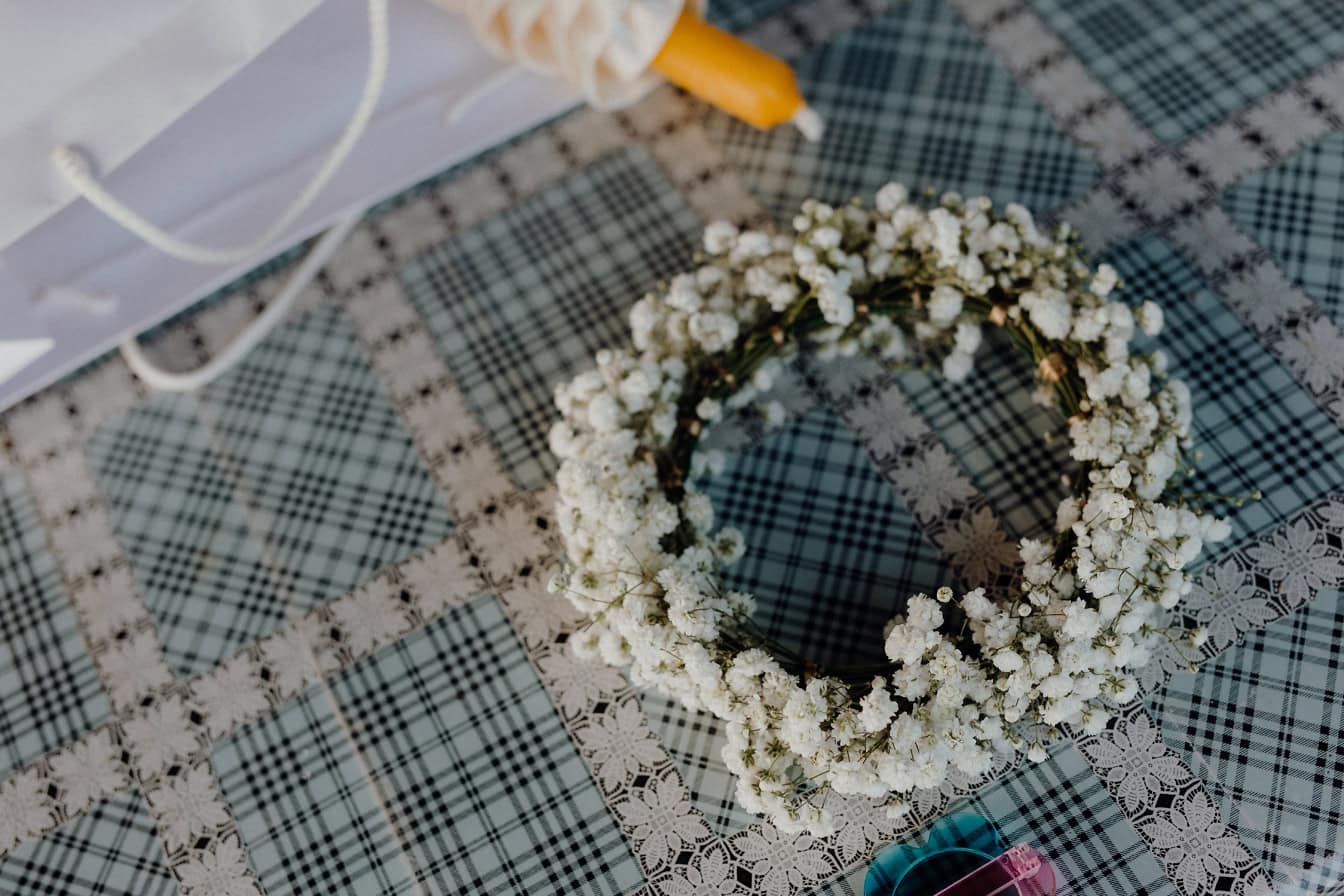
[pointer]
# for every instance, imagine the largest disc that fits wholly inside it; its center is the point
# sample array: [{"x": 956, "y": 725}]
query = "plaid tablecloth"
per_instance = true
[{"x": 289, "y": 634}]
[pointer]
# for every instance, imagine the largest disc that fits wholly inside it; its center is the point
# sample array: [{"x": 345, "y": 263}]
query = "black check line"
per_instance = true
[
  {"x": 1294, "y": 209},
  {"x": 468, "y": 292},
  {"x": 328, "y": 422},
  {"x": 326, "y": 846},
  {"x": 1224, "y": 718},
  {"x": 170, "y": 499},
  {"x": 397, "y": 702},
  {"x": 819, "y": 523},
  {"x": 913, "y": 119},
  {"x": 694, "y": 741},
  {"x": 1063, "y": 809},
  {"x": 58, "y": 692},
  {"x": 114, "y": 839}
]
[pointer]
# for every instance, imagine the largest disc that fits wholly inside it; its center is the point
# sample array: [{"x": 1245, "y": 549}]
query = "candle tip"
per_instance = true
[{"x": 808, "y": 122}]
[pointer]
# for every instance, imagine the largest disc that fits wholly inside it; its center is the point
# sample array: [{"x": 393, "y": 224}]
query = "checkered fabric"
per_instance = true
[
  {"x": 1182, "y": 66},
  {"x": 1063, "y": 809},
  {"x": 832, "y": 552},
  {"x": 1255, "y": 426},
  {"x": 111, "y": 851},
  {"x": 521, "y": 303},
  {"x": 309, "y": 815},
  {"x": 1263, "y": 725},
  {"x": 695, "y": 741},
  {"x": 738, "y": 14},
  {"x": 440, "y": 764},
  {"x": 324, "y": 458},
  {"x": 910, "y": 97},
  {"x": 49, "y": 691},
  {"x": 1296, "y": 211},
  {"x": 483, "y": 781},
  {"x": 996, "y": 432},
  {"x": 175, "y": 510}
]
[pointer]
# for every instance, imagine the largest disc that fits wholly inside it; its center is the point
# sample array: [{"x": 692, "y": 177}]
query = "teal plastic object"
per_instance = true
[{"x": 960, "y": 855}]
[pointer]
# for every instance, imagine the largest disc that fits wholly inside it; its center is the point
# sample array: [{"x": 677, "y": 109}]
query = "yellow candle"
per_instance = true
[{"x": 731, "y": 74}]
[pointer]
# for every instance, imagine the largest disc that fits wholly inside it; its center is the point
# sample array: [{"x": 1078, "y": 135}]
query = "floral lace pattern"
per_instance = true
[{"x": 1170, "y": 809}]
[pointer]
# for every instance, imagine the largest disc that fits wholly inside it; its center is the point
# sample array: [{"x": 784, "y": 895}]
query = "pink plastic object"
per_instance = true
[{"x": 1021, "y": 871}]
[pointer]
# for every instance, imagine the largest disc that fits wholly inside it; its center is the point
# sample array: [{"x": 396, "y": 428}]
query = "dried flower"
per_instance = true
[{"x": 645, "y": 557}]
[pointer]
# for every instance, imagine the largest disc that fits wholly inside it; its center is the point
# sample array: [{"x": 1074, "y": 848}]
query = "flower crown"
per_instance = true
[{"x": 968, "y": 675}]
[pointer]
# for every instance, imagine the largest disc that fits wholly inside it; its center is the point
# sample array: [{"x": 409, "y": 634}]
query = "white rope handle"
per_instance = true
[
  {"x": 77, "y": 171},
  {"x": 75, "y": 168},
  {"x": 244, "y": 342}
]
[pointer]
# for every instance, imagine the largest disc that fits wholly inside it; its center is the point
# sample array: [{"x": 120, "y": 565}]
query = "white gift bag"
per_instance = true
[
  {"x": 208, "y": 118},
  {"x": 110, "y": 77}
]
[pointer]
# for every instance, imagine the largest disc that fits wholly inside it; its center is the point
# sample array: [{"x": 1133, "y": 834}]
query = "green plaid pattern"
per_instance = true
[
  {"x": 695, "y": 741},
  {"x": 910, "y": 97},
  {"x": 1296, "y": 212},
  {"x": 113, "y": 850},
  {"x": 738, "y": 14},
  {"x": 308, "y": 814},
  {"x": 439, "y": 764},
  {"x": 1263, "y": 725},
  {"x": 1182, "y": 66},
  {"x": 1255, "y": 426},
  {"x": 482, "y": 779},
  {"x": 832, "y": 552},
  {"x": 325, "y": 458},
  {"x": 175, "y": 511},
  {"x": 521, "y": 303},
  {"x": 1063, "y": 809},
  {"x": 996, "y": 432},
  {"x": 49, "y": 691}
]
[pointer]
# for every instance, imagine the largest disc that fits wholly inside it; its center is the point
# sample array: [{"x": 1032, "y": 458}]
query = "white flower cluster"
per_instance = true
[{"x": 967, "y": 676}]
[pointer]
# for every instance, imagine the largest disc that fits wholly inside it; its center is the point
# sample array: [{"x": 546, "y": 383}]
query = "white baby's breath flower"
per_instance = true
[
  {"x": 709, "y": 410},
  {"x": 956, "y": 366},
  {"x": 944, "y": 305},
  {"x": 719, "y": 237},
  {"x": 1104, "y": 280},
  {"x": 968, "y": 337},
  {"x": 1050, "y": 311},
  {"x": 1150, "y": 318},
  {"x": 774, "y": 414},
  {"x": 891, "y": 197}
]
